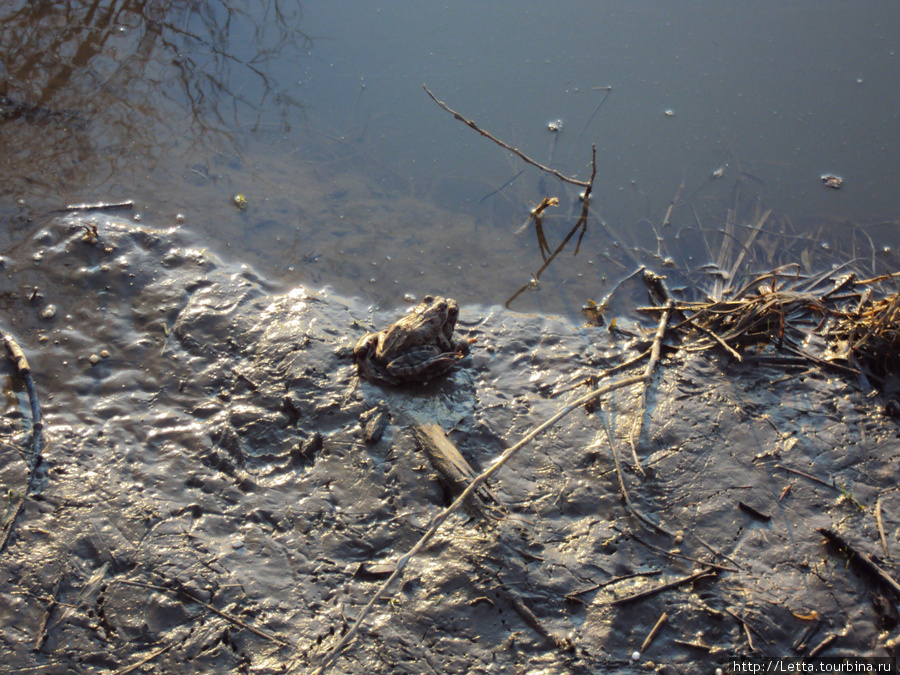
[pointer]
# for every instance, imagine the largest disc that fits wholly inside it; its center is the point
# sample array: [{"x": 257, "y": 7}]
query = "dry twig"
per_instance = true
[{"x": 709, "y": 571}]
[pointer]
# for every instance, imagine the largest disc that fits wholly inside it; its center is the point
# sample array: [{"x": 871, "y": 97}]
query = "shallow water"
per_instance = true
[{"x": 354, "y": 178}]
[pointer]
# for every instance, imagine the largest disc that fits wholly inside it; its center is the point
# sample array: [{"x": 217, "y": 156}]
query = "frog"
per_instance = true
[{"x": 416, "y": 348}]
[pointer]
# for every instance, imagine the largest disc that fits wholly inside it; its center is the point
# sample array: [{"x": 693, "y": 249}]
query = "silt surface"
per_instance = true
[{"x": 210, "y": 500}]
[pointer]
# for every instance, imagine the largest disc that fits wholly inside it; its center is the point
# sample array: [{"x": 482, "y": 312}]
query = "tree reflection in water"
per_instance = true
[{"x": 98, "y": 93}]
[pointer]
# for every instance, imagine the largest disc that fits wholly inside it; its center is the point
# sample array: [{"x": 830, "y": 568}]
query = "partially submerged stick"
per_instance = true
[
  {"x": 37, "y": 426},
  {"x": 54, "y": 601},
  {"x": 880, "y": 522},
  {"x": 99, "y": 206},
  {"x": 864, "y": 561},
  {"x": 653, "y": 632},
  {"x": 180, "y": 588},
  {"x": 147, "y": 659},
  {"x": 655, "y": 351},
  {"x": 506, "y": 146},
  {"x": 439, "y": 519},
  {"x": 663, "y": 587},
  {"x": 34, "y": 456}
]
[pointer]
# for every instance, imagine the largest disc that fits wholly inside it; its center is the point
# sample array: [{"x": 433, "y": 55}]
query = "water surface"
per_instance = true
[{"x": 353, "y": 177}]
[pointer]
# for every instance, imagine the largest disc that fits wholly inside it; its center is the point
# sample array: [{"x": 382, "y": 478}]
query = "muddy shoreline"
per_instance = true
[{"x": 211, "y": 503}]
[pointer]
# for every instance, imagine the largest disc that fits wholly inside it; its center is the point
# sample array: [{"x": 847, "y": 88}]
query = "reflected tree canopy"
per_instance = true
[{"x": 87, "y": 87}]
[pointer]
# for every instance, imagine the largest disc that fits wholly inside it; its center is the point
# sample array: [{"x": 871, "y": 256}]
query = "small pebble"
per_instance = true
[
  {"x": 635, "y": 656},
  {"x": 94, "y": 359},
  {"x": 179, "y": 218},
  {"x": 679, "y": 538},
  {"x": 104, "y": 354},
  {"x": 49, "y": 312}
]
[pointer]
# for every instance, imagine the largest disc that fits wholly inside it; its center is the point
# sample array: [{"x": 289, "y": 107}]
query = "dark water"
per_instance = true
[{"x": 353, "y": 177}]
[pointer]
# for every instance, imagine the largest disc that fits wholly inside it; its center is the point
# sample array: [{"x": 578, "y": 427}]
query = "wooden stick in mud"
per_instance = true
[
  {"x": 147, "y": 659},
  {"x": 638, "y": 423},
  {"x": 13, "y": 514},
  {"x": 623, "y": 491},
  {"x": 663, "y": 587},
  {"x": 533, "y": 622},
  {"x": 37, "y": 426},
  {"x": 37, "y": 436},
  {"x": 441, "y": 517},
  {"x": 880, "y": 522},
  {"x": 99, "y": 206},
  {"x": 506, "y": 146},
  {"x": 653, "y": 632},
  {"x": 453, "y": 469},
  {"x": 863, "y": 560},
  {"x": 54, "y": 601},
  {"x": 179, "y": 588}
]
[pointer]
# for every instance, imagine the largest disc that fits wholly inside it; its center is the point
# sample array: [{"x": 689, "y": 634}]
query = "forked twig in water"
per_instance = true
[
  {"x": 506, "y": 146},
  {"x": 37, "y": 435}
]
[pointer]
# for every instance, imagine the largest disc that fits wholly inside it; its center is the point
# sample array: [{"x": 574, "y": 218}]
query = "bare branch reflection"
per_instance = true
[{"x": 89, "y": 89}]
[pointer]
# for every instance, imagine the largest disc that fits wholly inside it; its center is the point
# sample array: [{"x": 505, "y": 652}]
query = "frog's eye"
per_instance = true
[{"x": 428, "y": 298}]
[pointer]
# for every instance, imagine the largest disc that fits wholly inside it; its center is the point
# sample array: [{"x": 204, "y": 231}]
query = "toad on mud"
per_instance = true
[{"x": 416, "y": 348}]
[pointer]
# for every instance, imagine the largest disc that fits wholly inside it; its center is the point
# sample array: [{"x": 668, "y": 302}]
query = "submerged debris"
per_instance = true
[{"x": 832, "y": 181}]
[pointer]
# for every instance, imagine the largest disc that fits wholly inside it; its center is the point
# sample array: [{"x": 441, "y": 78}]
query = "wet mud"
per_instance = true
[{"x": 212, "y": 499}]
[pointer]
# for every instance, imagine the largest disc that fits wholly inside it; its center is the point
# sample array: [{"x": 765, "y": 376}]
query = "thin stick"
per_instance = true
[
  {"x": 11, "y": 521},
  {"x": 506, "y": 146},
  {"x": 822, "y": 646},
  {"x": 580, "y": 225},
  {"x": 146, "y": 659},
  {"x": 99, "y": 206},
  {"x": 529, "y": 617},
  {"x": 880, "y": 524},
  {"x": 672, "y": 554},
  {"x": 667, "y": 219},
  {"x": 805, "y": 475},
  {"x": 741, "y": 620},
  {"x": 37, "y": 426},
  {"x": 606, "y": 92},
  {"x": 623, "y": 490},
  {"x": 180, "y": 588},
  {"x": 599, "y": 376},
  {"x": 664, "y": 587},
  {"x": 648, "y": 371},
  {"x": 749, "y": 637},
  {"x": 718, "y": 553},
  {"x": 610, "y": 582},
  {"x": 864, "y": 561},
  {"x": 54, "y": 601},
  {"x": 439, "y": 519},
  {"x": 653, "y": 632}
]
